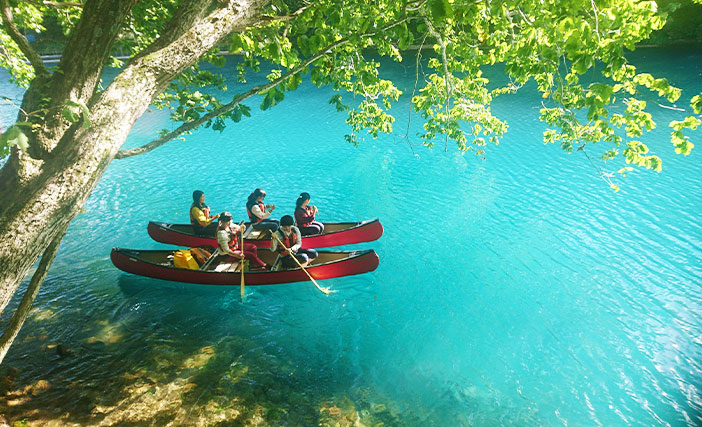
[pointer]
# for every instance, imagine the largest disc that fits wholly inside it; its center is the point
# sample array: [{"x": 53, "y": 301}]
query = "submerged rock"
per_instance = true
[
  {"x": 38, "y": 387},
  {"x": 64, "y": 351},
  {"x": 200, "y": 359}
]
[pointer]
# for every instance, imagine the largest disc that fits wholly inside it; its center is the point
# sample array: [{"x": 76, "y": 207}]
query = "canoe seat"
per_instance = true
[
  {"x": 222, "y": 267},
  {"x": 227, "y": 266},
  {"x": 251, "y": 234}
]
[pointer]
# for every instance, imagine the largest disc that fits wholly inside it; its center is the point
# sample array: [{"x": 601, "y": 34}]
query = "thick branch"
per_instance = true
[
  {"x": 81, "y": 66},
  {"x": 224, "y": 109},
  {"x": 20, "y": 315},
  {"x": 186, "y": 15},
  {"x": 20, "y": 40}
]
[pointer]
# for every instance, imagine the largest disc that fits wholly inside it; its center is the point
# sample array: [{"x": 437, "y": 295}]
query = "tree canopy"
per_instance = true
[
  {"x": 70, "y": 126},
  {"x": 573, "y": 50}
]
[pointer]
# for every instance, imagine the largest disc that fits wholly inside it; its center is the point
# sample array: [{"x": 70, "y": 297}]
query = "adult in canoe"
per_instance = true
[
  {"x": 291, "y": 237},
  {"x": 200, "y": 218},
  {"x": 259, "y": 214},
  {"x": 228, "y": 243},
  {"x": 304, "y": 216}
]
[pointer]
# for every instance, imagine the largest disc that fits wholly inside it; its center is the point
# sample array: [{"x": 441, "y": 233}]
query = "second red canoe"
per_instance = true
[{"x": 335, "y": 234}]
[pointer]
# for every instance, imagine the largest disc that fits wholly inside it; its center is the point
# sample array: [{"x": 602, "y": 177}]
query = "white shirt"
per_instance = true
[
  {"x": 281, "y": 235},
  {"x": 223, "y": 237},
  {"x": 258, "y": 213}
]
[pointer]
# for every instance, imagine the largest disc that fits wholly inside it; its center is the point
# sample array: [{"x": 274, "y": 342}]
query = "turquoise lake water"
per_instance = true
[{"x": 517, "y": 290}]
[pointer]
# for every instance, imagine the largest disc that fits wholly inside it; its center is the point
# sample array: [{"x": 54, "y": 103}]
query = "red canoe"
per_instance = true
[
  {"x": 328, "y": 265},
  {"x": 335, "y": 234}
]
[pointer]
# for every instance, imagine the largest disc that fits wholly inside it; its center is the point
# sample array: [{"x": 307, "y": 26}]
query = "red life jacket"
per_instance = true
[
  {"x": 300, "y": 212},
  {"x": 288, "y": 241},
  {"x": 205, "y": 210},
  {"x": 252, "y": 217}
]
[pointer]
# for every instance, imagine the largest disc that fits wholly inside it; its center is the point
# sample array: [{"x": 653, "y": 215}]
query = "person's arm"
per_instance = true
[
  {"x": 303, "y": 217},
  {"x": 223, "y": 242},
  {"x": 298, "y": 242},
  {"x": 200, "y": 217},
  {"x": 274, "y": 242},
  {"x": 256, "y": 210}
]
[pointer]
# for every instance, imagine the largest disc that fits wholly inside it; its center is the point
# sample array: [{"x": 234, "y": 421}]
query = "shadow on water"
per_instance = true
[{"x": 159, "y": 352}]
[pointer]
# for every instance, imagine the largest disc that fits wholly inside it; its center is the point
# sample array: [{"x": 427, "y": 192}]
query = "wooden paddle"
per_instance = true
[
  {"x": 242, "y": 259},
  {"x": 327, "y": 291}
]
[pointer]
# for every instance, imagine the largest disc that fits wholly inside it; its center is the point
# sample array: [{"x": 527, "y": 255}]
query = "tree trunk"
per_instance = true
[
  {"x": 44, "y": 195},
  {"x": 32, "y": 290}
]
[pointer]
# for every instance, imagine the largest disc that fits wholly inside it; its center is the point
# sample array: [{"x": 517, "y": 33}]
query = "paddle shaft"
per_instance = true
[
  {"x": 242, "y": 259},
  {"x": 292, "y": 255}
]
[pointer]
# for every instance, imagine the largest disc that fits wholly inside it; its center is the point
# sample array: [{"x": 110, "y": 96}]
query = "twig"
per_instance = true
[
  {"x": 597, "y": 20},
  {"x": 414, "y": 90},
  {"x": 447, "y": 80}
]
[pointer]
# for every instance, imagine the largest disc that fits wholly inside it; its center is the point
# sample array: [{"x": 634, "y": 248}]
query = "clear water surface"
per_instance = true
[{"x": 518, "y": 289}]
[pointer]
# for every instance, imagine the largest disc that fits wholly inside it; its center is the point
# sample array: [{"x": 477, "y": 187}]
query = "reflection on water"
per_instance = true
[{"x": 157, "y": 372}]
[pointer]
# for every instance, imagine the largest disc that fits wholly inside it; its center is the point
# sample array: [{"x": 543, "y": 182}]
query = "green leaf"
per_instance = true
[
  {"x": 72, "y": 111},
  {"x": 86, "y": 114},
  {"x": 273, "y": 97},
  {"x": 70, "y": 115},
  {"x": 14, "y": 136},
  {"x": 696, "y": 104},
  {"x": 191, "y": 115},
  {"x": 440, "y": 10}
]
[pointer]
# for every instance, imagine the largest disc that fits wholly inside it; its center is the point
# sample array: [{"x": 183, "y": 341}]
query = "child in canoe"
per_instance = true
[
  {"x": 259, "y": 214},
  {"x": 200, "y": 218},
  {"x": 228, "y": 242},
  {"x": 291, "y": 237},
  {"x": 304, "y": 216}
]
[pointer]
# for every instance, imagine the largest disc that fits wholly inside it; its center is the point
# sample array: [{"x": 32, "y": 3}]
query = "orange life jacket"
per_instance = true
[
  {"x": 288, "y": 241},
  {"x": 233, "y": 240},
  {"x": 196, "y": 225},
  {"x": 252, "y": 217}
]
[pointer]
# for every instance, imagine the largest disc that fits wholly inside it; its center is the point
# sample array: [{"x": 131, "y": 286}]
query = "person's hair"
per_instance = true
[
  {"x": 224, "y": 218},
  {"x": 301, "y": 199},
  {"x": 286, "y": 220},
  {"x": 196, "y": 199},
  {"x": 256, "y": 194}
]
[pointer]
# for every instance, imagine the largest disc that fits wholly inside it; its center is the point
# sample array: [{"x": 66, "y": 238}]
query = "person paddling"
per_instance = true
[
  {"x": 200, "y": 217},
  {"x": 259, "y": 214},
  {"x": 228, "y": 242},
  {"x": 304, "y": 216},
  {"x": 291, "y": 237}
]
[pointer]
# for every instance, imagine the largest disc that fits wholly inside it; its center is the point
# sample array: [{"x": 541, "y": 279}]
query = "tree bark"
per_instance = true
[
  {"x": 44, "y": 196},
  {"x": 25, "y": 305},
  {"x": 80, "y": 69}
]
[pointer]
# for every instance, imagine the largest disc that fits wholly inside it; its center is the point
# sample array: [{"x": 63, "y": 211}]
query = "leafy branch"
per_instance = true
[{"x": 271, "y": 98}]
